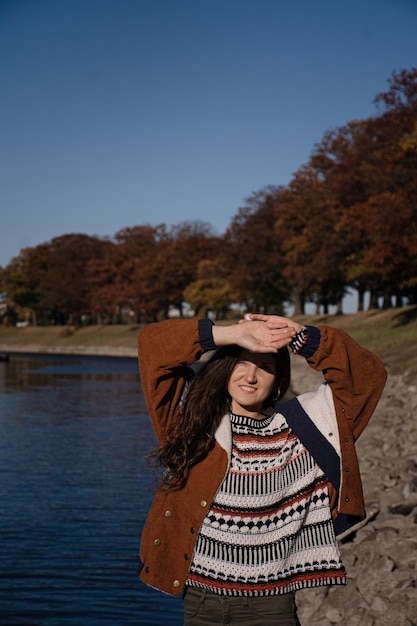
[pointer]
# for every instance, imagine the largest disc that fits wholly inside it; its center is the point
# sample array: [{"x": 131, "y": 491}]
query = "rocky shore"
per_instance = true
[{"x": 381, "y": 554}]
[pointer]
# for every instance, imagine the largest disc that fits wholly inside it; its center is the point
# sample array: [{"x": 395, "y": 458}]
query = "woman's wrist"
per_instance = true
[{"x": 225, "y": 335}]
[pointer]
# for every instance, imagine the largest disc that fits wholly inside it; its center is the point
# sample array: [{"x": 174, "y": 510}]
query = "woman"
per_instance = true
[{"x": 253, "y": 491}]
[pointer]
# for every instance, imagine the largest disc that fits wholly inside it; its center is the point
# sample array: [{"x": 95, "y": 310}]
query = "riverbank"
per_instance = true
[{"x": 117, "y": 340}]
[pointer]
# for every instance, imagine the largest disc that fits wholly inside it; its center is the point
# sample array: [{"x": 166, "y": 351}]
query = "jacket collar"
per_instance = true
[{"x": 223, "y": 435}]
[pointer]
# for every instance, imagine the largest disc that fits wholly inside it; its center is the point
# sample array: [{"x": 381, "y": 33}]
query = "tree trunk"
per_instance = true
[
  {"x": 299, "y": 303},
  {"x": 386, "y": 303},
  {"x": 361, "y": 299},
  {"x": 398, "y": 301},
  {"x": 373, "y": 301},
  {"x": 339, "y": 306}
]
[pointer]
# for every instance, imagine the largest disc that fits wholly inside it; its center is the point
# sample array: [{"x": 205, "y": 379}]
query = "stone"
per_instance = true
[{"x": 380, "y": 554}]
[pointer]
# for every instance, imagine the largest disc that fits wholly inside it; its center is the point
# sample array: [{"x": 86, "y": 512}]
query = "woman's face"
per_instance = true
[{"x": 251, "y": 382}]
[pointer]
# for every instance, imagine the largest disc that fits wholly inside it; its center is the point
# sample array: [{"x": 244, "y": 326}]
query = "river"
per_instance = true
[{"x": 75, "y": 489}]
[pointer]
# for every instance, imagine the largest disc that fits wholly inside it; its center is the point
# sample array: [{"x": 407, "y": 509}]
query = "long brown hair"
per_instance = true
[{"x": 189, "y": 439}]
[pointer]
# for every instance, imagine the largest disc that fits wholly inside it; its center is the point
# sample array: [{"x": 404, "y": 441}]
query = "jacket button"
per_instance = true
[
  {"x": 176, "y": 583},
  {"x": 168, "y": 513},
  {"x": 147, "y": 569},
  {"x": 192, "y": 530},
  {"x": 346, "y": 439},
  {"x": 346, "y": 499},
  {"x": 346, "y": 469},
  {"x": 330, "y": 434},
  {"x": 203, "y": 503},
  {"x": 157, "y": 542},
  {"x": 186, "y": 557}
]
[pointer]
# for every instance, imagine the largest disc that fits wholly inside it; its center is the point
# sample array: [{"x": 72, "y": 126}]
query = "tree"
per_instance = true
[
  {"x": 102, "y": 283},
  {"x": 19, "y": 291},
  {"x": 253, "y": 254},
  {"x": 137, "y": 249},
  {"x": 157, "y": 265},
  {"x": 211, "y": 291},
  {"x": 58, "y": 271},
  {"x": 377, "y": 224},
  {"x": 307, "y": 223}
]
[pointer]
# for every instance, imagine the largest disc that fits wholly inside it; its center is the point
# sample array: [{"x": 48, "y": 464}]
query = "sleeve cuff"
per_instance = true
[
  {"x": 313, "y": 342},
  {"x": 205, "y": 334}
]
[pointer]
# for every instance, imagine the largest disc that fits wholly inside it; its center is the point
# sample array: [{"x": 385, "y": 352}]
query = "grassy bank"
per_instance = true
[
  {"x": 68, "y": 339},
  {"x": 391, "y": 334}
]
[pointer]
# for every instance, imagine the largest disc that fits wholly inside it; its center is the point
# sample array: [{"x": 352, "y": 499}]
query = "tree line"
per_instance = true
[{"x": 347, "y": 219}]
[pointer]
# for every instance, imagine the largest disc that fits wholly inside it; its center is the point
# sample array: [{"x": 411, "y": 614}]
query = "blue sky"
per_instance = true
[{"x": 116, "y": 113}]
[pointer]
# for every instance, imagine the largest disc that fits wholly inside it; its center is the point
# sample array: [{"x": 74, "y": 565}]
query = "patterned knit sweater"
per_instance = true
[{"x": 269, "y": 528}]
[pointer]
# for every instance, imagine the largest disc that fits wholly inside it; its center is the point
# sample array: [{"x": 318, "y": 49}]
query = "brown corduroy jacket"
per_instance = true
[{"x": 353, "y": 382}]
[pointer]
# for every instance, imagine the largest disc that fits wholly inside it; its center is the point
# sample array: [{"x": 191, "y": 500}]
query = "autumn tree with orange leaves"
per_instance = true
[{"x": 253, "y": 254}]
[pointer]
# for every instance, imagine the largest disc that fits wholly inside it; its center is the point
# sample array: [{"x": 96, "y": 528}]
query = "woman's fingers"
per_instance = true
[{"x": 273, "y": 321}]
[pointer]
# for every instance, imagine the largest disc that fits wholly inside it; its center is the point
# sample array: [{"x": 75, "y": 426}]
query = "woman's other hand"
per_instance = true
[{"x": 273, "y": 321}]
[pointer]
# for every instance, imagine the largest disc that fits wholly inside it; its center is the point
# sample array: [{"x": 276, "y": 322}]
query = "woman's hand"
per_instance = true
[
  {"x": 256, "y": 335},
  {"x": 274, "y": 321}
]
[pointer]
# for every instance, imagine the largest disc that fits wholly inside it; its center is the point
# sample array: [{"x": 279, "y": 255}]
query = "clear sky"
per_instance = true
[{"x": 117, "y": 113}]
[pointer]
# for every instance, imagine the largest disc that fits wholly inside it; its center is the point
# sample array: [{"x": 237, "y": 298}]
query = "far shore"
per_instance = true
[
  {"x": 116, "y": 340},
  {"x": 111, "y": 351}
]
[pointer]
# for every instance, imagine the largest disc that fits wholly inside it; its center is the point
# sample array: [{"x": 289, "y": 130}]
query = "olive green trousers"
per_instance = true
[{"x": 205, "y": 608}]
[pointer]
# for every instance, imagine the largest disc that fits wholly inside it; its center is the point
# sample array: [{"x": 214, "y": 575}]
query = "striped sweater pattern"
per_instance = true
[{"x": 269, "y": 529}]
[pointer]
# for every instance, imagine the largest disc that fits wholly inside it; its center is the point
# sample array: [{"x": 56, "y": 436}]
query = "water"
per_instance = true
[{"x": 74, "y": 492}]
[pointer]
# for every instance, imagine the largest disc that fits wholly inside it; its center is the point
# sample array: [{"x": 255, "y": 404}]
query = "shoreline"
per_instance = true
[
  {"x": 391, "y": 334},
  {"x": 76, "y": 350}
]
